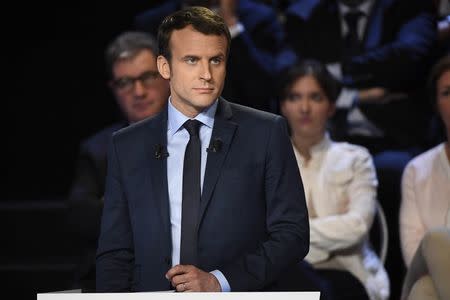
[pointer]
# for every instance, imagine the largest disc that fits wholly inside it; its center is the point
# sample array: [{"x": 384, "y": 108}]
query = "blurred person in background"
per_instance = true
[
  {"x": 140, "y": 93},
  {"x": 381, "y": 51},
  {"x": 340, "y": 186},
  {"x": 425, "y": 205}
]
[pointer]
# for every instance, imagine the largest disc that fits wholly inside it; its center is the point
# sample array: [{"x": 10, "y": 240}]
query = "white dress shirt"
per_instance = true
[{"x": 177, "y": 140}]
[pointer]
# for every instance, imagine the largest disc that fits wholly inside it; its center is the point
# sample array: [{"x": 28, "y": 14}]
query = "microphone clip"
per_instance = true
[
  {"x": 161, "y": 152},
  {"x": 215, "y": 146}
]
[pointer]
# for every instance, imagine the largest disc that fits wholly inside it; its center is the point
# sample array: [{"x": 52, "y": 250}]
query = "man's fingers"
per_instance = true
[
  {"x": 185, "y": 287},
  {"x": 177, "y": 270},
  {"x": 178, "y": 279},
  {"x": 181, "y": 287}
]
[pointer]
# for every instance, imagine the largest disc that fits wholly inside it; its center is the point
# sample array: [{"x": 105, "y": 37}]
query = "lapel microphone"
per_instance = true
[
  {"x": 160, "y": 152},
  {"x": 215, "y": 146}
]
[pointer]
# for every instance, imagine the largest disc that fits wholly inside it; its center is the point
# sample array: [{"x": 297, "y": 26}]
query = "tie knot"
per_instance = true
[
  {"x": 353, "y": 17},
  {"x": 192, "y": 126}
]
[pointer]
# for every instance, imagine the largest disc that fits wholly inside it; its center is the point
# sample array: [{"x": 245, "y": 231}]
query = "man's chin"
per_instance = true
[{"x": 204, "y": 100}]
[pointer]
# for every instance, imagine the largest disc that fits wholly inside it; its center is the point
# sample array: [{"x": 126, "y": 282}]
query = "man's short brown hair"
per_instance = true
[{"x": 200, "y": 18}]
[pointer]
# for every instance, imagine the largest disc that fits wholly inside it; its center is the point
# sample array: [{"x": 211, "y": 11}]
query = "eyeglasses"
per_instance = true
[{"x": 126, "y": 84}]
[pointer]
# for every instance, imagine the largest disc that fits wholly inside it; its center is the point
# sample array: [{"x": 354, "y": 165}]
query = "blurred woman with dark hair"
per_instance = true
[{"x": 340, "y": 186}]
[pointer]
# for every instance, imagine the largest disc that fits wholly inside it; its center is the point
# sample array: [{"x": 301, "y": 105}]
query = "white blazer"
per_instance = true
[
  {"x": 425, "y": 198},
  {"x": 340, "y": 186}
]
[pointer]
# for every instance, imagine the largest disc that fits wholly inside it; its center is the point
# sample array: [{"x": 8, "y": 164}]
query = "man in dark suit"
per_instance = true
[
  {"x": 232, "y": 216},
  {"x": 256, "y": 38},
  {"x": 381, "y": 51},
  {"x": 140, "y": 92}
]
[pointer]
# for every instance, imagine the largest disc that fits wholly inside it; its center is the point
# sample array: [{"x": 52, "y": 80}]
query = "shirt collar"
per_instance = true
[
  {"x": 322, "y": 145},
  {"x": 317, "y": 149},
  {"x": 364, "y": 7},
  {"x": 176, "y": 118}
]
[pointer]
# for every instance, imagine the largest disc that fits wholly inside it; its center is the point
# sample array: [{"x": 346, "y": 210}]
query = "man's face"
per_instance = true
[
  {"x": 139, "y": 89},
  {"x": 196, "y": 71}
]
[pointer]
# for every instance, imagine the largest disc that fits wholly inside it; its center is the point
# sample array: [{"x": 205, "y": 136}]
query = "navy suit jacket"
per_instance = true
[
  {"x": 251, "y": 64},
  {"x": 253, "y": 221}
]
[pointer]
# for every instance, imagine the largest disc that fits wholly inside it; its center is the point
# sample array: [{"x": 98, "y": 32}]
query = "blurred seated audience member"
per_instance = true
[
  {"x": 429, "y": 272},
  {"x": 256, "y": 38},
  {"x": 381, "y": 50},
  {"x": 340, "y": 186},
  {"x": 426, "y": 181},
  {"x": 140, "y": 93}
]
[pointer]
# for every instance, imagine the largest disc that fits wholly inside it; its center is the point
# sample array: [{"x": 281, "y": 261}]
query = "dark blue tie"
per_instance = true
[
  {"x": 352, "y": 42},
  {"x": 191, "y": 195}
]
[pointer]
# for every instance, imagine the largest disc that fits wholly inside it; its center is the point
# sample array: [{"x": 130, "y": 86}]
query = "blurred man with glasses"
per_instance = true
[{"x": 140, "y": 93}]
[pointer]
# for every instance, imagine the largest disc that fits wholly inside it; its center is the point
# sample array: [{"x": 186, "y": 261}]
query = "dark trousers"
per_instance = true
[
  {"x": 332, "y": 284},
  {"x": 343, "y": 285}
]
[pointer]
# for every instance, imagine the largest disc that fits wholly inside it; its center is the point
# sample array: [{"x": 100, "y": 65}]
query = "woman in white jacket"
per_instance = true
[
  {"x": 425, "y": 207},
  {"x": 340, "y": 187}
]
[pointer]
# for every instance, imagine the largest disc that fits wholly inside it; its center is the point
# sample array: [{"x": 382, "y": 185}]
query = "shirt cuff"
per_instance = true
[
  {"x": 236, "y": 29},
  {"x": 224, "y": 285},
  {"x": 347, "y": 98},
  {"x": 335, "y": 69}
]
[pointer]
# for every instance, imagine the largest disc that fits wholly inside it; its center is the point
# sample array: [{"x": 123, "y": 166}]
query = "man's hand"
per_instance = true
[
  {"x": 379, "y": 95},
  {"x": 188, "y": 278},
  {"x": 375, "y": 94}
]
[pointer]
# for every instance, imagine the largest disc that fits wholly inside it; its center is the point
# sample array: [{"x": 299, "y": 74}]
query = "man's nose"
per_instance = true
[
  {"x": 205, "y": 71},
  {"x": 139, "y": 88}
]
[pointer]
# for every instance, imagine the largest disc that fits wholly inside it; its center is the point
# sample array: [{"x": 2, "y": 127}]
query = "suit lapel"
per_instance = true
[
  {"x": 156, "y": 143},
  {"x": 224, "y": 130},
  {"x": 374, "y": 27}
]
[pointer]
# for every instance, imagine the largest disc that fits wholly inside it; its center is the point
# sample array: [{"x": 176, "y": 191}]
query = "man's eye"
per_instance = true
[
  {"x": 123, "y": 82},
  {"x": 216, "y": 61},
  {"x": 191, "y": 60},
  {"x": 149, "y": 77}
]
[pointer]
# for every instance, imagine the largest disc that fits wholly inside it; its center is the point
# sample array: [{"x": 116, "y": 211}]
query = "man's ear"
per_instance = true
[{"x": 163, "y": 67}]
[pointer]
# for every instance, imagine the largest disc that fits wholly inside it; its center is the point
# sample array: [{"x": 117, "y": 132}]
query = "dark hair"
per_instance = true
[
  {"x": 327, "y": 82},
  {"x": 202, "y": 19},
  {"x": 442, "y": 66},
  {"x": 128, "y": 45}
]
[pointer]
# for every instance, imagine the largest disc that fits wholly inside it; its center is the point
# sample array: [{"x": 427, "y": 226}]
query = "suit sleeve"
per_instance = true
[
  {"x": 251, "y": 67},
  {"x": 286, "y": 219},
  {"x": 115, "y": 255},
  {"x": 395, "y": 65},
  {"x": 85, "y": 197}
]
